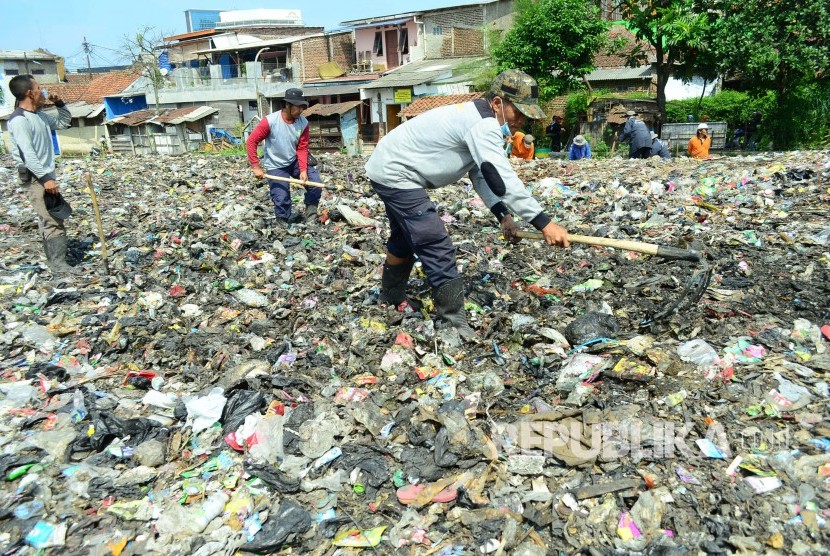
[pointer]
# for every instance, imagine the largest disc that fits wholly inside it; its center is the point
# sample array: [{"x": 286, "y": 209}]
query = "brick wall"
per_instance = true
[
  {"x": 464, "y": 42},
  {"x": 463, "y": 24},
  {"x": 311, "y": 53}
]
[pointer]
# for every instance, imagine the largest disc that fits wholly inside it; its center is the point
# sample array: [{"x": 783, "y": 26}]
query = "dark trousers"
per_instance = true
[
  {"x": 416, "y": 229},
  {"x": 645, "y": 152},
  {"x": 281, "y": 191}
]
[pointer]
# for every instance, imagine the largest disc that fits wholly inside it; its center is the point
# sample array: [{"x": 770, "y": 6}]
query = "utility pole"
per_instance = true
[{"x": 87, "y": 50}]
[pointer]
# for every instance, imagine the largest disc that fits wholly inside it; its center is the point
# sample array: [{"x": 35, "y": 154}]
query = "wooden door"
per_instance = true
[
  {"x": 391, "y": 49},
  {"x": 392, "y": 118}
]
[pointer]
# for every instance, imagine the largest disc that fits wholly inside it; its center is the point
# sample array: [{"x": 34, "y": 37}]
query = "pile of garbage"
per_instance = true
[{"x": 229, "y": 385}]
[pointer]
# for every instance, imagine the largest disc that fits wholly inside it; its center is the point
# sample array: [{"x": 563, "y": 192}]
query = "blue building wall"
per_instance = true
[{"x": 116, "y": 106}]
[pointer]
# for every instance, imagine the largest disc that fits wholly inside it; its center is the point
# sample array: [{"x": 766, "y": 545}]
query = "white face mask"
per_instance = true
[{"x": 505, "y": 129}]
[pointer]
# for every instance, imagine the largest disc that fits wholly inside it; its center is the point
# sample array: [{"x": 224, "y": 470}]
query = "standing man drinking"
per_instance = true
[
  {"x": 437, "y": 149},
  {"x": 285, "y": 154},
  {"x": 31, "y": 128}
]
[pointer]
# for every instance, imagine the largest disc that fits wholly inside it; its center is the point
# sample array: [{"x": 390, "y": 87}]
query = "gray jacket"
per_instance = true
[
  {"x": 637, "y": 133},
  {"x": 31, "y": 138},
  {"x": 442, "y": 145}
]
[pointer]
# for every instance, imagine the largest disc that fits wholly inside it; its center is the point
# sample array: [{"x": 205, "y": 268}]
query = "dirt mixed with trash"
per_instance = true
[{"x": 229, "y": 385}]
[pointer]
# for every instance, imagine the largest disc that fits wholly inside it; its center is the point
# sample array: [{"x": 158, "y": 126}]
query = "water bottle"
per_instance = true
[
  {"x": 209, "y": 510},
  {"x": 79, "y": 412}
]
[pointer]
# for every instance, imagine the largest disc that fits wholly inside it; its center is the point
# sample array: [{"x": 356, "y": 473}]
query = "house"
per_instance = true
[
  {"x": 46, "y": 67},
  {"x": 85, "y": 98},
  {"x": 614, "y": 75},
  {"x": 239, "y": 74},
  {"x": 334, "y": 127},
  {"x": 173, "y": 131},
  {"x": 84, "y": 95},
  {"x": 385, "y": 42},
  {"x": 398, "y": 88}
]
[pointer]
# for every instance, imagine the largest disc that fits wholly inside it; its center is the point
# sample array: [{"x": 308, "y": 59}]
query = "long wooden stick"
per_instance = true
[
  {"x": 313, "y": 184},
  {"x": 662, "y": 251},
  {"x": 98, "y": 221}
]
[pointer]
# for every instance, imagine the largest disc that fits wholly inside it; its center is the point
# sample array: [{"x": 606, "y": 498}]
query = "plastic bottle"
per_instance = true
[
  {"x": 208, "y": 511},
  {"x": 79, "y": 412}
]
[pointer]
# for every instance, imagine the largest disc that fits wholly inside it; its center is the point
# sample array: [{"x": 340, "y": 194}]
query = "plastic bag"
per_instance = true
[
  {"x": 284, "y": 525},
  {"x": 697, "y": 352}
]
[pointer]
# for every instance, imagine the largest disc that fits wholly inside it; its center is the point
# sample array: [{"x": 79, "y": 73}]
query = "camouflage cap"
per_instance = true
[{"x": 520, "y": 89}]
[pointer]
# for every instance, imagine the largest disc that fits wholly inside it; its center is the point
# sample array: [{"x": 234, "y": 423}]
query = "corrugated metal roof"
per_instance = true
[
  {"x": 84, "y": 110},
  {"x": 423, "y": 71},
  {"x": 386, "y": 22},
  {"x": 187, "y": 114},
  {"x": 619, "y": 74},
  {"x": 330, "y": 90},
  {"x": 167, "y": 117},
  {"x": 330, "y": 109},
  {"x": 27, "y": 55},
  {"x": 428, "y": 103}
]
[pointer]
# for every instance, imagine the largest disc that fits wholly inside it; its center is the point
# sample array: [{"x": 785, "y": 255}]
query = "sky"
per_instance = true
[{"x": 61, "y": 25}]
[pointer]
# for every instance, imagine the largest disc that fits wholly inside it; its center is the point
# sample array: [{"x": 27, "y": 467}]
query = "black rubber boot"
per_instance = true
[
  {"x": 310, "y": 216},
  {"x": 449, "y": 302},
  {"x": 55, "y": 249},
  {"x": 393, "y": 285}
]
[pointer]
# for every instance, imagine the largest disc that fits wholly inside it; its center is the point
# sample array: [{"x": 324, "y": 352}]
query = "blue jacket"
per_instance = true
[{"x": 576, "y": 152}]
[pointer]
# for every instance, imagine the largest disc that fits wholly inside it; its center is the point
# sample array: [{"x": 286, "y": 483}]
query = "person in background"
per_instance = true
[
  {"x": 437, "y": 149},
  {"x": 285, "y": 154},
  {"x": 523, "y": 146},
  {"x": 580, "y": 148},
  {"x": 554, "y": 131},
  {"x": 699, "y": 144},
  {"x": 658, "y": 148},
  {"x": 33, "y": 153},
  {"x": 637, "y": 135}
]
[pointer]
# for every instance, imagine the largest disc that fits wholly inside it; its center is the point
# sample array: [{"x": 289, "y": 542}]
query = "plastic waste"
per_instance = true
[
  {"x": 285, "y": 524},
  {"x": 697, "y": 352},
  {"x": 204, "y": 411}
]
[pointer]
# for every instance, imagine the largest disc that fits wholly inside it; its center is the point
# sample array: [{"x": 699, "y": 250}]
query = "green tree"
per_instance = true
[
  {"x": 552, "y": 40},
  {"x": 677, "y": 32},
  {"x": 783, "y": 46},
  {"x": 143, "y": 50}
]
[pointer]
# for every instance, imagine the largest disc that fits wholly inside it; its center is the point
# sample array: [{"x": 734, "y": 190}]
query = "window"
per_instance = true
[
  {"x": 437, "y": 30},
  {"x": 403, "y": 41},
  {"x": 378, "y": 48},
  {"x": 38, "y": 72},
  {"x": 10, "y": 71}
]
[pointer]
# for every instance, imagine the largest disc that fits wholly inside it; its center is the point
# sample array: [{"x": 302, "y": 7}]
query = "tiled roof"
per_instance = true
[
  {"x": 609, "y": 59},
  {"x": 428, "y": 103},
  {"x": 93, "y": 91},
  {"x": 135, "y": 118}
]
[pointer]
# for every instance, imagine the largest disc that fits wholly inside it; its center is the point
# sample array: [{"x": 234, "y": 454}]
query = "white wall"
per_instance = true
[{"x": 676, "y": 89}]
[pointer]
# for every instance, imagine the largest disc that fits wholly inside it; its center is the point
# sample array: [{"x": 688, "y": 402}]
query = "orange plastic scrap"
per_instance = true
[{"x": 542, "y": 292}]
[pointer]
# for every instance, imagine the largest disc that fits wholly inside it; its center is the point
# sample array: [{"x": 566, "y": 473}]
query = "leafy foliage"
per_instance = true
[
  {"x": 677, "y": 32},
  {"x": 552, "y": 40},
  {"x": 782, "y": 46}
]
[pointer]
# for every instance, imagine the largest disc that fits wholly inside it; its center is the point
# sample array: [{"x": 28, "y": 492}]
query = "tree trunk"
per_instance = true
[{"x": 663, "y": 68}]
